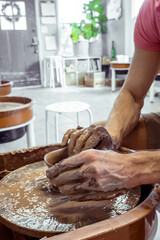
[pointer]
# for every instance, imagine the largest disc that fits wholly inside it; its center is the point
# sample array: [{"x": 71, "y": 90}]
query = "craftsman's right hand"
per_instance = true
[
  {"x": 94, "y": 175},
  {"x": 92, "y": 137}
]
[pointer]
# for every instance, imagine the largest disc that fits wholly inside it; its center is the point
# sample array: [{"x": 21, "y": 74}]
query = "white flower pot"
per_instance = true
[
  {"x": 81, "y": 49},
  {"x": 95, "y": 48}
]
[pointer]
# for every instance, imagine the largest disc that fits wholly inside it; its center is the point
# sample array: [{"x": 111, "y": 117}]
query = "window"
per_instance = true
[
  {"x": 71, "y": 10},
  {"x": 12, "y": 15}
]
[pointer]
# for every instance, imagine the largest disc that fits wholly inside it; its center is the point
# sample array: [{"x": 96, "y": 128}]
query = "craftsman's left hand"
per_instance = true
[
  {"x": 92, "y": 175},
  {"x": 81, "y": 139}
]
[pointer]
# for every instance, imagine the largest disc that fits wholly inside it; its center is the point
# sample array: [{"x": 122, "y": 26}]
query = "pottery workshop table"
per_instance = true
[
  {"x": 117, "y": 66},
  {"x": 29, "y": 206}
]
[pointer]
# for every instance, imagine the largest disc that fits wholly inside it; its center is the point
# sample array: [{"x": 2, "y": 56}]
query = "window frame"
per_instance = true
[{"x": 13, "y": 18}]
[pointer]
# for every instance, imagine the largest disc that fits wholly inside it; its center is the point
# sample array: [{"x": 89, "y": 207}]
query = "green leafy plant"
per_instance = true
[{"x": 93, "y": 24}]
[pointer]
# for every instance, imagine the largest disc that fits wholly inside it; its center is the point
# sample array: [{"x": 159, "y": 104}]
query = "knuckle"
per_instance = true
[{"x": 89, "y": 153}]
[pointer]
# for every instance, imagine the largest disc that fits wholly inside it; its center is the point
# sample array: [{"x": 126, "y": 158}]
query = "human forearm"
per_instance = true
[
  {"x": 123, "y": 117},
  {"x": 100, "y": 172},
  {"x": 126, "y": 110},
  {"x": 143, "y": 168}
]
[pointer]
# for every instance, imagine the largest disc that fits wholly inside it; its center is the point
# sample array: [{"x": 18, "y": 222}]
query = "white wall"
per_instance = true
[
  {"x": 129, "y": 28},
  {"x": 120, "y": 31},
  {"x": 115, "y": 32}
]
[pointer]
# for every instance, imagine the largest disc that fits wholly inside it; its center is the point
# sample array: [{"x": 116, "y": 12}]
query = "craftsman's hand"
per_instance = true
[
  {"x": 92, "y": 175},
  {"x": 81, "y": 139}
]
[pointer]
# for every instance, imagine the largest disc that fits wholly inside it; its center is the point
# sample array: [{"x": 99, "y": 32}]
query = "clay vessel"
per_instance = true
[{"x": 55, "y": 156}]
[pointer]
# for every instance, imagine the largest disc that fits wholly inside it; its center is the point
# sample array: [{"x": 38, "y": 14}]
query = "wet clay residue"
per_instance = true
[
  {"x": 9, "y": 105},
  {"x": 28, "y": 200}
]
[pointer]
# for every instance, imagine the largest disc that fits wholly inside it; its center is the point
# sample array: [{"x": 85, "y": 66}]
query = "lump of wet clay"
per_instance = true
[{"x": 82, "y": 139}]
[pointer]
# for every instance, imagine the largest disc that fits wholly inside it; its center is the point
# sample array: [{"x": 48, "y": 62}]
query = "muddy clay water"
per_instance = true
[
  {"x": 9, "y": 106},
  {"x": 29, "y": 204}
]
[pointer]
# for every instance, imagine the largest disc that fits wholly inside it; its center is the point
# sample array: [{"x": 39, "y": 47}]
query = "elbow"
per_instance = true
[{"x": 136, "y": 98}]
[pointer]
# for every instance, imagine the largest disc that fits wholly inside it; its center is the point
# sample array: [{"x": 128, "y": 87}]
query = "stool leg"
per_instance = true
[
  {"x": 90, "y": 116},
  {"x": 152, "y": 92},
  {"x": 30, "y": 135},
  {"x": 46, "y": 121},
  {"x": 56, "y": 127},
  {"x": 113, "y": 80},
  {"x": 77, "y": 119}
]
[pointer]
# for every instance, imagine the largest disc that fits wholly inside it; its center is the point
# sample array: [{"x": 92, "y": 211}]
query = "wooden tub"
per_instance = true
[
  {"x": 137, "y": 224},
  {"x": 5, "y": 88},
  {"x": 15, "y": 111}
]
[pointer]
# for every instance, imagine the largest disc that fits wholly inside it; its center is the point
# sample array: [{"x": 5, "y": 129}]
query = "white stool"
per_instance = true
[
  {"x": 29, "y": 129},
  {"x": 65, "y": 107}
]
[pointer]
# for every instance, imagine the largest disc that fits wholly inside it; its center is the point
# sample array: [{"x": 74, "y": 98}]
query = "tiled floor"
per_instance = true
[{"x": 100, "y": 99}]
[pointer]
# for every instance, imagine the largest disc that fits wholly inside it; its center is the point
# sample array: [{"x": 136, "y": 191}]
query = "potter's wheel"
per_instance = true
[
  {"x": 5, "y": 88},
  {"x": 9, "y": 106},
  {"x": 29, "y": 205},
  {"x": 15, "y": 111},
  {"x": 8, "y": 120}
]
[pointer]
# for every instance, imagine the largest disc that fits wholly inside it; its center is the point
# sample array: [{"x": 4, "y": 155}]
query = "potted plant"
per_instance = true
[{"x": 93, "y": 25}]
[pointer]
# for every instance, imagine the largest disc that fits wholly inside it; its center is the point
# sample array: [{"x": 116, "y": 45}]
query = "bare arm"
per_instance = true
[
  {"x": 126, "y": 110},
  {"x": 94, "y": 174}
]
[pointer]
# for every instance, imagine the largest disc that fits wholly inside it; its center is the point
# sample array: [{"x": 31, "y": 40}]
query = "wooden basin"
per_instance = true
[
  {"x": 38, "y": 210},
  {"x": 136, "y": 224},
  {"x": 5, "y": 88},
  {"x": 15, "y": 111},
  {"x": 140, "y": 223}
]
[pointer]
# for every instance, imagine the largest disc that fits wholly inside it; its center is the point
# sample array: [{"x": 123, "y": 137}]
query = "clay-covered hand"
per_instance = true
[
  {"x": 81, "y": 139},
  {"x": 92, "y": 175}
]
